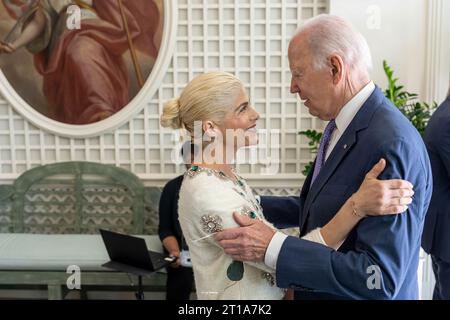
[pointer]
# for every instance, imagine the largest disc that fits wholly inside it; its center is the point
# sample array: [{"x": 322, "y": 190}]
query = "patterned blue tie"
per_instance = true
[{"x": 324, "y": 142}]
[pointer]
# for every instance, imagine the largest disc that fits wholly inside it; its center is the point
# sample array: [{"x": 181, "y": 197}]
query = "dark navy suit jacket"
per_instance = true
[
  {"x": 436, "y": 233},
  {"x": 379, "y": 258}
]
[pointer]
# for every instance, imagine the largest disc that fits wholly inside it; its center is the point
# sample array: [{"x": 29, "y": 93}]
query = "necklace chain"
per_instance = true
[{"x": 239, "y": 182}]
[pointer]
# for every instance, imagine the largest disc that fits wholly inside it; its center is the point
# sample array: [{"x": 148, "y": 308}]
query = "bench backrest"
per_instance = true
[{"x": 78, "y": 198}]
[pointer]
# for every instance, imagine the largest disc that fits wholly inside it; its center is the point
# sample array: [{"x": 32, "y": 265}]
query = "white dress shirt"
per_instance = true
[{"x": 342, "y": 120}]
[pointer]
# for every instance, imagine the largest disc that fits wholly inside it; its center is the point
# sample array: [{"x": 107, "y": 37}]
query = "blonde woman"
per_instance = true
[{"x": 212, "y": 190}]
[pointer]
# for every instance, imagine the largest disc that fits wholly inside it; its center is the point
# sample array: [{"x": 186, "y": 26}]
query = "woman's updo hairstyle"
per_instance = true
[{"x": 208, "y": 96}]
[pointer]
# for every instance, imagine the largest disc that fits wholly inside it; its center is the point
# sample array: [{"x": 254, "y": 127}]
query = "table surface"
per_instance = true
[{"x": 56, "y": 252}]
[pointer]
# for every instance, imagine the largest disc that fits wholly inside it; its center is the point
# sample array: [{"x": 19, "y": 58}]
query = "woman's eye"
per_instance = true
[{"x": 243, "y": 109}]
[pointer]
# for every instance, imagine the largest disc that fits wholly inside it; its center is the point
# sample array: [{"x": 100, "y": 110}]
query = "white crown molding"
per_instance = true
[{"x": 151, "y": 85}]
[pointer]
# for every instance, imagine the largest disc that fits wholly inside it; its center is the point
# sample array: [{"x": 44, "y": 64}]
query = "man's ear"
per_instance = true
[{"x": 337, "y": 68}]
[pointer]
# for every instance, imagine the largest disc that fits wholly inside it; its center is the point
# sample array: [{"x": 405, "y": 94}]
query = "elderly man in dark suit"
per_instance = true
[{"x": 330, "y": 63}]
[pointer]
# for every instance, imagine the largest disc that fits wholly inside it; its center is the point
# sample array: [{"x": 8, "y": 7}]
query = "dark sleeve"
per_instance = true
[
  {"x": 166, "y": 207},
  {"x": 443, "y": 145},
  {"x": 282, "y": 212}
]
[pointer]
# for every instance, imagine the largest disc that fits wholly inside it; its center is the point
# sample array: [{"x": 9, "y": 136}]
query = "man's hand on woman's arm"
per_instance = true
[{"x": 249, "y": 242}]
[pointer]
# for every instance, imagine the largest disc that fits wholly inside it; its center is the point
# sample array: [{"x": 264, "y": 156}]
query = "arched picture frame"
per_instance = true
[{"x": 127, "y": 72}]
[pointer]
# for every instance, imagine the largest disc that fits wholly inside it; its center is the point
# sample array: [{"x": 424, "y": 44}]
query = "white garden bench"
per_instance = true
[{"x": 49, "y": 220}]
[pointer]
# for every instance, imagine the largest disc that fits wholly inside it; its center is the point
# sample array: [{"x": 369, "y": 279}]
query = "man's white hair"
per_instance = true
[{"x": 329, "y": 34}]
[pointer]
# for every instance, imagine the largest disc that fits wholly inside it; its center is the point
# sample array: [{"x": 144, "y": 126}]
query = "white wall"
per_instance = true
[{"x": 402, "y": 33}]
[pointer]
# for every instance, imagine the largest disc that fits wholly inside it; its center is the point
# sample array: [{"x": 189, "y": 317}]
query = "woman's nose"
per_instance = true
[{"x": 255, "y": 115}]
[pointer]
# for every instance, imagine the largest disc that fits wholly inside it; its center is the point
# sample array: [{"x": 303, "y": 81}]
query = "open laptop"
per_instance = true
[{"x": 130, "y": 254}]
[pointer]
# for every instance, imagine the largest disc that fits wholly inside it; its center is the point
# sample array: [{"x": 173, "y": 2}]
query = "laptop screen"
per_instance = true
[{"x": 127, "y": 249}]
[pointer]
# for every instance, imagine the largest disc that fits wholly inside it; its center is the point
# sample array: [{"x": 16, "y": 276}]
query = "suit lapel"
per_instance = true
[
  {"x": 343, "y": 146},
  {"x": 304, "y": 192},
  {"x": 307, "y": 183}
]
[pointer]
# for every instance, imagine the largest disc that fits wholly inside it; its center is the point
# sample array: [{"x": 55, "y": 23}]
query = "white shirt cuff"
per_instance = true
[
  {"x": 273, "y": 250},
  {"x": 315, "y": 236}
]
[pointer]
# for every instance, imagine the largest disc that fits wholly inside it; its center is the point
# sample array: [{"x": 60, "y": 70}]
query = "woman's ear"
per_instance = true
[{"x": 208, "y": 128}]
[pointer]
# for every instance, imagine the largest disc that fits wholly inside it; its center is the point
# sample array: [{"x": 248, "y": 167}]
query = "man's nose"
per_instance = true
[{"x": 294, "y": 87}]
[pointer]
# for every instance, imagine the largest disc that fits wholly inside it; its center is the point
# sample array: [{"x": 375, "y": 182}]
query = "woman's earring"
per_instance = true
[{"x": 212, "y": 134}]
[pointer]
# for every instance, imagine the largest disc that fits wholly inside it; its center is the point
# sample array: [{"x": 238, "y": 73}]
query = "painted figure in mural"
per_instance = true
[{"x": 85, "y": 75}]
